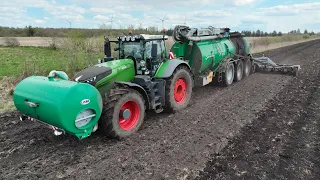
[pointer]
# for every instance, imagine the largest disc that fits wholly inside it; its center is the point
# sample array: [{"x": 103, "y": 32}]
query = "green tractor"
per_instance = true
[{"x": 114, "y": 94}]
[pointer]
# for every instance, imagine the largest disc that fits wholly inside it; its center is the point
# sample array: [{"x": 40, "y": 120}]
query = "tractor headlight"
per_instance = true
[
  {"x": 84, "y": 118},
  {"x": 90, "y": 80}
]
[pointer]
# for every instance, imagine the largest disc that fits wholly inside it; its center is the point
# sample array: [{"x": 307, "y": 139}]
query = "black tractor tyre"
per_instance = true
[
  {"x": 247, "y": 67},
  {"x": 114, "y": 100},
  {"x": 238, "y": 71},
  {"x": 228, "y": 75},
  {"x": 178, "y": 90}
]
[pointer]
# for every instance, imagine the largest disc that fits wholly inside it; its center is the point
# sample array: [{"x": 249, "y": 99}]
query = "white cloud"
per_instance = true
[
  {"x": 101, "y": 10},
  {"x": 145, "y": 5},
  {"x": 71, "y": 18},
  {"x": 201, "y": 13},
  {"x": 240, "y": 2},
  {"x": 39, "y": 21},
  {"x": 295, "y": 9},
  {"x": 100, "y": 17},
  {"x": 211, "y": 13}
]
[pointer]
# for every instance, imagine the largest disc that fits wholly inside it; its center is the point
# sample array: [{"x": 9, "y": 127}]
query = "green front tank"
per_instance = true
[{"x": 59, "y": 103}]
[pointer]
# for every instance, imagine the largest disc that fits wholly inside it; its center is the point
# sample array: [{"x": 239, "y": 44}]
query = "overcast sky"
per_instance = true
[{"x": 266, "y": 15}]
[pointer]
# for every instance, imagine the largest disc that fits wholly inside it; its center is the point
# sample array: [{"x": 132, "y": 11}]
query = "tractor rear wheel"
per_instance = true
[
  {"x": 123, "y": 112},
  {"x": 238, "y": 71},
  {"x": 228, "y": 75},
  {"x": 178, "y": 89},
  {"x": 247, "y": 67}
]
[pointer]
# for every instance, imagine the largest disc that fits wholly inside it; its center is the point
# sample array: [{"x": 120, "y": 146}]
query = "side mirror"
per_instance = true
[
  {"x": 107, "y": 48},
  {"x": 154, "y": 50}
]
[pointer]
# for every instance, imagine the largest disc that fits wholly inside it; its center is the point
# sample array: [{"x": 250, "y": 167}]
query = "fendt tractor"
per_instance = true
[{"x": 113, "y": 95}]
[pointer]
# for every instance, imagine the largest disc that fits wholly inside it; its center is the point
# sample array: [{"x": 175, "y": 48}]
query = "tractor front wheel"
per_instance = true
[
  {"x": 123, "y": 112},
  {"x": 178, "y": 89}
]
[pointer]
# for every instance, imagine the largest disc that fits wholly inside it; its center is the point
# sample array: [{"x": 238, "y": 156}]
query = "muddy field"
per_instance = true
[{"x": 263, "y": 127}]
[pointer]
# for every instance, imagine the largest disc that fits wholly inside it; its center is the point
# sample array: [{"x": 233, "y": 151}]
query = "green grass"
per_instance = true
[{"x": 16, "y": 61}]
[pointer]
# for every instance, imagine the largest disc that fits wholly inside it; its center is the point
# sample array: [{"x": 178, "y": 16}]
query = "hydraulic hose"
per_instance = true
[{"x": 184, "y": 32}]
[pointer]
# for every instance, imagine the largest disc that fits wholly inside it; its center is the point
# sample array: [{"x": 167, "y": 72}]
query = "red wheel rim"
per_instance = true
[
  {"x": 180, "y": 88},
  {"x": 129, "y": 123}
]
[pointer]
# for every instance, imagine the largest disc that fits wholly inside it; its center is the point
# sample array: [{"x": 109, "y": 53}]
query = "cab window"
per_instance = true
[{"x": 149, "y": 47}]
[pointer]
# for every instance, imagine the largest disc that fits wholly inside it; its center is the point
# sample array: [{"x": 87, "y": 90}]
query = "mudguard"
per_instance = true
[
  {"x": 166, "y": 68},
  {"x": 139, "y": 88}
]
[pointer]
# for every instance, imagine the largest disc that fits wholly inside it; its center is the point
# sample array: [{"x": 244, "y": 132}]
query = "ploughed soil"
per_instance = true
[{"x": 263, "y": 127}]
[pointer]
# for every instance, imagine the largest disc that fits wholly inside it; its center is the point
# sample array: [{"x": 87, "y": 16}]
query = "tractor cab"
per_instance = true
[{"x": 147, "y": 51}]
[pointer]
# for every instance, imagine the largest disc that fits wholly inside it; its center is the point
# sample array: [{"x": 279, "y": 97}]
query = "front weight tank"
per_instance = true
[{"x": 70, "y": 106}]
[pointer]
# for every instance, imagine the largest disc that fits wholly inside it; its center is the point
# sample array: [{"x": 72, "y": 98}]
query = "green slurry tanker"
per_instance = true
[{"x": 113, "y": 95}]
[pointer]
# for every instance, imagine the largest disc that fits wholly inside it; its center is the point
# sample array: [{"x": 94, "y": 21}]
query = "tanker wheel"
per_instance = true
[
  {"x": 246, "y": 67},
  {"x": 238, "y": 71},
  {"x": 228, "y": 75},
  {"x": 123, "y": 112},
  {"x": 178, "y": 90}
]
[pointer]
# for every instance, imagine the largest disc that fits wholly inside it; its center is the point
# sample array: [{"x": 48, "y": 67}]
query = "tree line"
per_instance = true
[
  {"x": 29, "y": 31},
  {"x": 274, "y": 33}
]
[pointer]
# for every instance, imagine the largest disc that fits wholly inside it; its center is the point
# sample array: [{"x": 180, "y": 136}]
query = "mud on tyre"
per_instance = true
[
  {"x": 178, "y": 89},
  {"x": 228, "y": 75},
  {"x": 123, "y": 112},
  {"x": 238, "y": 75},
  {"x": 247, "y": 67}
]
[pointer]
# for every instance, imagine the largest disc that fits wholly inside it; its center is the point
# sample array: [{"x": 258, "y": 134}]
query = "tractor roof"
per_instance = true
[
  {"x": 142, "y": 37},
  {"x": 151, "y": 37}
]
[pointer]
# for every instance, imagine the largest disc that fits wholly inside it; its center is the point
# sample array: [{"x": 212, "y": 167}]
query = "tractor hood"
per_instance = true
[{"x": 94, "y": 74}]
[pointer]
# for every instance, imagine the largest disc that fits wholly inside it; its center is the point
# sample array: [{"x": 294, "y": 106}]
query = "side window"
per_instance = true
[
  {"x": 148, "y": 49},
  {"x": 149, "y": 46},
  {"x": 159, "y": 48},
  {"x": 163, "y": 50}
]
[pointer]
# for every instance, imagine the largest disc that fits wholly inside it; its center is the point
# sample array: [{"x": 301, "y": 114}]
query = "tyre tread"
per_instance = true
[{"x": 109, "y": 102}]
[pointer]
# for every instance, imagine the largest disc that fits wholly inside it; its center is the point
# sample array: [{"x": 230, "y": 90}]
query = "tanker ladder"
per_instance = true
[{"x": 265, "y": 64}]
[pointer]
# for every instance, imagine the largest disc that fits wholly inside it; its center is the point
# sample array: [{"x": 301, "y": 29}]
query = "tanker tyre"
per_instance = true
[
  {"x": 123, "y": 112},
  {"x": 178, "y": 90},
  {"x": 247, "y": 67},
  {"x": 228, "y": 75},
  {"x": 238, "y": 71}
]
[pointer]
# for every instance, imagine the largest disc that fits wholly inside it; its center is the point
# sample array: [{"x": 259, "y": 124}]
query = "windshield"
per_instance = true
[{"x": 131, "y": 49}]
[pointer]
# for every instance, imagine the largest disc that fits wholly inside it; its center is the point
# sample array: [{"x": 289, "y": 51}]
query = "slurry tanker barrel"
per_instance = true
[
  {"x": 206, "y": 48},
  {"x": 205, "y": 54},
  {"x": 70, "y": 106}
]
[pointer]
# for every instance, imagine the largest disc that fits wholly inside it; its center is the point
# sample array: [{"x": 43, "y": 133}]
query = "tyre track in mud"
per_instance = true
[{"x": 169, "y": 146}]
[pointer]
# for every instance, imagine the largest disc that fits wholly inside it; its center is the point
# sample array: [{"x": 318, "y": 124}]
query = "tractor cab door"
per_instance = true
[{"x": 154, "y": 62}]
